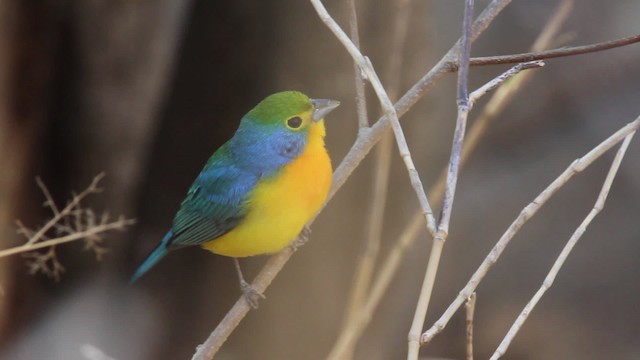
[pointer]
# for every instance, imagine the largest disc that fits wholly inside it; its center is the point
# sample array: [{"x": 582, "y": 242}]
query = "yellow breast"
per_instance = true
[{"x": 279, "y": 207}]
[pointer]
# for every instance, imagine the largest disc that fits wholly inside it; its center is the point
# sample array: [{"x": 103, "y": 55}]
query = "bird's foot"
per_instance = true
[
  {"x": 251, "y": 295},
  {"x": 302, "y": 238}
]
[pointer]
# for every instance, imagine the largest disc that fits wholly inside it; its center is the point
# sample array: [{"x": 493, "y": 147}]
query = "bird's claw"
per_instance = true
[
  {"x": 251, "y": 295},
  {"x": 302, "y": 238}
]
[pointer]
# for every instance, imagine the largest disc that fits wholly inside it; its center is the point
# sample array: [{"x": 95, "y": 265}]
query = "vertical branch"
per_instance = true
[
  {"x": 364, "y": 270},
  {"x": 465, "y": 53},
  {"x": 551, "y": 276},
  {"x": 360, "y": 282},
  {"x": 461, "y": 124},
  {"x": 361, "y": 100},
  {"x": 470, "y": 308},
  {"x": 454, "y": 162}
]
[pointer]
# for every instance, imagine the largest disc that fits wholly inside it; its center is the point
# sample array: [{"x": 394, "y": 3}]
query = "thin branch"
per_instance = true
[
  {"x": 470, "y": 308},
  {"x": 527, "y": 213},
  {"x": 58, "y": 215},
  {"x": 367, "y": 139},
  {"x": 116, "y": 225},
  {"x": 493, "y": 84},
  {"x": 365, "y": 265},
  {"x": 47, "y": 195},
  {"x": 361, "y": 100},
  {"x": 435, "y": 254},
  {"x": 381, "y": 171},
  {"x": 555, "y": 53},
  {"x": 454, "y": 163},
  {"x": 74, "y": 221},
  {"x": 465, "y": 54},
  {"x": 548, "y": 281},
  {"x": 446, "y": 65},
  {"x": 389, "y": 110}
]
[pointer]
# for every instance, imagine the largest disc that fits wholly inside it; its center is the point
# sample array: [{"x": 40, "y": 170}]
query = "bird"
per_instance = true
[{"x": 257, "y": 191}]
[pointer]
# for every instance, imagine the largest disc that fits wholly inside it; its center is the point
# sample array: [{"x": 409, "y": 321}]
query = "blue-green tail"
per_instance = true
[{"x": 157, "y": 255}]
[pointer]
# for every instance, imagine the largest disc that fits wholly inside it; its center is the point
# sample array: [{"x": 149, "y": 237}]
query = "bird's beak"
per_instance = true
[{"x": 321, "y": 107}]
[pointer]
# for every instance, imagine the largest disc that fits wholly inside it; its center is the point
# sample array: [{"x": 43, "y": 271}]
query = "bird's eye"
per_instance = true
[{"x": 294, "y": 123}]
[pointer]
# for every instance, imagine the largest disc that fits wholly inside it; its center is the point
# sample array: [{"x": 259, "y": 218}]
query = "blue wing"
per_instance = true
[{"x": 214, "y": 205}]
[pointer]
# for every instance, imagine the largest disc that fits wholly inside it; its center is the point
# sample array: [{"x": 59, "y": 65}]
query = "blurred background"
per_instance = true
[{"x": 147, "y": 90}]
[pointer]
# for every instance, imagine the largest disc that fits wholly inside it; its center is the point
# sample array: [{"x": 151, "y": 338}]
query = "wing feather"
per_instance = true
[{"x": 215, "y": 204}]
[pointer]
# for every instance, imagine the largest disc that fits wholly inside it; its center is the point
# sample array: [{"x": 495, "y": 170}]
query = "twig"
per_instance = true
[
  {"x": 58, "y": 215},
  {"x": 527, "y": 213},
  {"x": 494, "y": 83},
  {"x": 548, "y": 281},
  {"x": 365, "y": 265},
  {"x": 470, "y": 308},
  {"x": 452, "y": 177},
  {"x": 367, "y": 139},
  {"x": 116, "y": 225},
  {"x": 74, "y": 221},
  {"x": 361, "y": 100},
  {"x": 555, "y": 53},
  {"x": 364, "y": 269},
  {"x": 389, "y": 110},
  {"x": 240, "y": 309}
]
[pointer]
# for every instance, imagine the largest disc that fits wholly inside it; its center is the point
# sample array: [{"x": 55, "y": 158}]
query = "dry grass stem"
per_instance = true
[
  {"x": 527, "y": 213},
  {"x": 360, "y": 284},
  {"x": 73, "y": 222},
  {"x": 549, "y": 279}
]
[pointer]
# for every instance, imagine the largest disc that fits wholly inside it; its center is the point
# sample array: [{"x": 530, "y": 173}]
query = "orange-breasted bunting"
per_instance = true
[{"x": 257, "y": 191}]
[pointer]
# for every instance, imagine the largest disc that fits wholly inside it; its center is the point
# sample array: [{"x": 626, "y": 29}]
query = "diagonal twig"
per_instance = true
[
  {"x": 527, "y": 213},
  {"x": 548, "y": 281},
  {"x": 115, "y": 225},
  {"x": 389, "y": 110}
]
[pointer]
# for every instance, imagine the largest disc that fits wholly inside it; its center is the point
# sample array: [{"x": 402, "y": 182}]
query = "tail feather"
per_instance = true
[{"x": 156, "y": 255}]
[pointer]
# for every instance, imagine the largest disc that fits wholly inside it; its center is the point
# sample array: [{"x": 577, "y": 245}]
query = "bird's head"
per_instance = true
[{"x": 277, "y": 130}]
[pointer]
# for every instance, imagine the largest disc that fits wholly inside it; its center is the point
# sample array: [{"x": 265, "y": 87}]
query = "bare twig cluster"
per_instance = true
[
  {"x": 365, "y": 299},
  {"x": 71, "y": 223}
]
